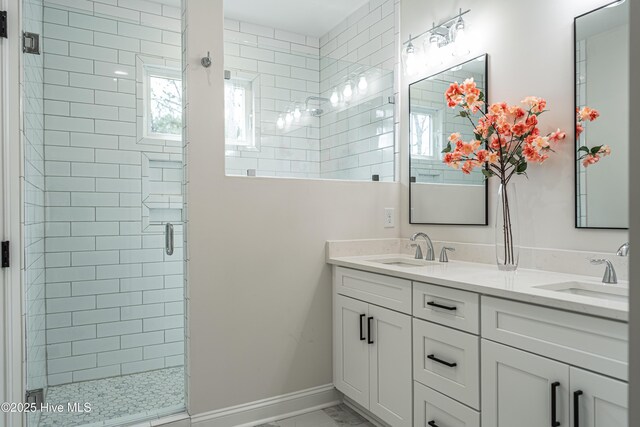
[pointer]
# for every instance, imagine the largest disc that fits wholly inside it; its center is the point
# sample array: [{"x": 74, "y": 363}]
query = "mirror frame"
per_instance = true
[
  {"x": 576, "y": 163},
  {"x": 486, "y": 109}
]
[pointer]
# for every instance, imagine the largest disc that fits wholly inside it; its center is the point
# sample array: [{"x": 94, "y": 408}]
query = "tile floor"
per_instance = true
[
  {"x": 118, "y": 400},
  {"x": 336, "y": 416}
]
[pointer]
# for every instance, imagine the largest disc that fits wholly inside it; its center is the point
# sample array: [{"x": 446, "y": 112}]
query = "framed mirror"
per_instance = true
[
  {"x": 437, "y": 193},
  {"x": 602, "y": 137}
]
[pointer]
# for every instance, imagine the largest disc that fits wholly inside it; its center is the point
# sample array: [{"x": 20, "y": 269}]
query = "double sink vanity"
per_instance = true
[{"x": 462, "y": 344}]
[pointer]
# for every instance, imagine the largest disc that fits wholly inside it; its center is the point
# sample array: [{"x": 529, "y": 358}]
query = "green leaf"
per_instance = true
[
  {"x": 481, "y": 97},
  {"x": 448, "y": 148},
  {"x": 463, "y": 114},
  {"x": 521, "y": 168},
  {"x": 595, "y": 149},
  {"x": 584, "y": 148},
  {"x": 487, "y": 173}
]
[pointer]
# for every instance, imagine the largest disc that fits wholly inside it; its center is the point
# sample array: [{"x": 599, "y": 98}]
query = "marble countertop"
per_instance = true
[{"x": 486, "y": 279}]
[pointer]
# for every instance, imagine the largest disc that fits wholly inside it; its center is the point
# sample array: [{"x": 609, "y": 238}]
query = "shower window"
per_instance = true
[
  {"x": 163, "y": 106},
  {"x": 424, "y": 135},
  {"x": 239, "y": 117}
]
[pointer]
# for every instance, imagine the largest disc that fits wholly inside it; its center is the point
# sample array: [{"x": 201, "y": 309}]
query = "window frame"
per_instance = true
[
  {"x": 250, "y": 113},
  {"x": 435, "y": 130},
  {"x": 164, "y": 72}
]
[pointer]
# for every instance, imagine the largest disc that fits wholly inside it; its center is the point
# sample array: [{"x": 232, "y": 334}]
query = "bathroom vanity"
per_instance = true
[{"x": 459, "y": 344}]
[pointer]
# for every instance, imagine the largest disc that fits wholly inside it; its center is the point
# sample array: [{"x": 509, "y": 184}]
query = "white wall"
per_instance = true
[
  {"x": 519, "y": 65},
  {"x": 259, "y": 289}
]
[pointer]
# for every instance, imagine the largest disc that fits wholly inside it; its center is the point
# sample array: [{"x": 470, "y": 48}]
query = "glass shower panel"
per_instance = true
[{"x": 103, "y": 195}]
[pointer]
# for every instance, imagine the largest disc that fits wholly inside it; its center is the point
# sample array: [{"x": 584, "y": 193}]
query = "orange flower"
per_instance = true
[
  {"x": 519, "y": 129},
  {"x": 579, "y": 129},
  {"x": 536, "y": 105},
  {"x": 453, "y": 95},
  {"x": 454, "y": 137},
  {"x": 588, "y": 114},
  {"x": 557, "y": 136},
  {"x": 468, "y": 166},
  {"x": 482, "y": 156}
]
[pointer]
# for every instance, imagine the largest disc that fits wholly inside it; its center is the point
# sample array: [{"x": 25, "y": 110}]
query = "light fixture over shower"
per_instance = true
[{"x": 447, "y": 38}]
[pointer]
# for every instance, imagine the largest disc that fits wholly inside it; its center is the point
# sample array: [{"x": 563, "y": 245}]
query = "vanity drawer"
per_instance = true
[
  {"x": 597, "y": 344},
  {"x": 448, "y": 361},
  {"x": 377, "y": 289},
  {"x": 446, "y": 306},
  {"x": 431, "y": 406}
]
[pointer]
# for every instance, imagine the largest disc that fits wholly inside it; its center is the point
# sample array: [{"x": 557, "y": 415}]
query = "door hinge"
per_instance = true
[
  {"x": 35, "y": 396},
  {"x": 4, "y": 256},
  {"x": 3, "y": 24},
  {"x": 31, "y": 43}
]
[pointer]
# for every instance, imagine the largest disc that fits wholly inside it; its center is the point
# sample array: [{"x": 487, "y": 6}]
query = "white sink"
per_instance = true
[
  {"x": 403, "y": 262},
  {"x": 602, "y": 291}
]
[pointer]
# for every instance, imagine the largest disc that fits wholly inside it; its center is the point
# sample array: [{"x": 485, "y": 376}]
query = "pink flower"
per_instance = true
[
  {"x": 588, "y": 114},
  {"x": 454, "y": 137},
  {"x": 590, "y": 159},
  {"x": 558, "y": 135},
  {"x": 605, "y": 150},
  {"x": 453, "y": 95},
  {"x": 482, "y": 156},
  {"x": 468, "y": 166},
  {"x": 579, "y": 129},
  {"x": 541, "y": 143},
  {"x": 536, "y": 105}
]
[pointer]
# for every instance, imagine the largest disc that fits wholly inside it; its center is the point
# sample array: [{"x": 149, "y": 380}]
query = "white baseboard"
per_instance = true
[
  {"x": 364, "y": 413},
  {"x": 272, "y": 409}
]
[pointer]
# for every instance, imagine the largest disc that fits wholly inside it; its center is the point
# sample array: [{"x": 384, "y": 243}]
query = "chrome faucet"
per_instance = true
[
  {"x": 430, "y": 251},
  {"x": 623, "y": 250},
  {"x": 443, "y": 254},
  {"x": 610, "y": 277}
]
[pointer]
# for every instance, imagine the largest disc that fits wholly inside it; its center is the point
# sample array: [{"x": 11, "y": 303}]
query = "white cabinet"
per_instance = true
[
  {"x": 598, "y": 401},
  {"x": 372, "y": 358},
  {"x": 432, "y": 409},
  {"x": 526, "y": 390},
  {"x": 521, "y": 389}
]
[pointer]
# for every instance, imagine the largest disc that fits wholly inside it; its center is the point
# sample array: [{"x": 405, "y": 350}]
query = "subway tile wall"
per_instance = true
[
  {"x": 33, "y": 273},
  {"x": 357, "y": 138},
  {"x": 350, "y": 140},
  {"x": 114, "y": 299},
  {"x": 285, "y": 70}
]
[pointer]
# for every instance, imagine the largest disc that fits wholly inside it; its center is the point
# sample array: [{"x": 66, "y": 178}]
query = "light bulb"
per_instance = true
[
  {"x": 334, "y": 98},
  {"x": 280, "y": 122},
  {"x": 297, "y": 114},
  {"x": 288, "y": 118},
  {"x": 461, "y": 47},
  {"x": 363, "y": 84},
  {"x": 435, "y": 52},
  {"x": 347, "y": 92},
  {"x": 411, "y": 60}
]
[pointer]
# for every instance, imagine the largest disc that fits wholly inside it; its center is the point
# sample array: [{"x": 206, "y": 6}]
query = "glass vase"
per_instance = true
[{"x": 507, "y": 228}]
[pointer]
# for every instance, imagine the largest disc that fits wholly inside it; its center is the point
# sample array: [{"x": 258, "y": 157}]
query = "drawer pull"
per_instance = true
[
  {"x": 369, "y": 340},
  {"x": 433, "y": 423},
  {"x": 435, "y": 359},
  {"x": 444, "y": 307},
  {"x": 576, "y": 407},
  {"x": 362, "y": 337},
  {"x": 554, "y": 398}
]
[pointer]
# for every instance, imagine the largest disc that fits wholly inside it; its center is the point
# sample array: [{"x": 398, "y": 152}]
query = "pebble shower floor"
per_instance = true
[{"x": 118, "y": 400}]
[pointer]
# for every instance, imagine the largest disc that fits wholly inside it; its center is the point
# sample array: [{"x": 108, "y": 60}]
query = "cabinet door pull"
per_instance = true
[
  {"x": 444, "y": 307},
  {"x": 369, "y": 340},
  {"x": 432, "y": 423},
  {"x": 576, "y": 407},
  {"x": 362, "y": 337},
  {"x": 435, "y": 359},
  {"x": 554, "y": 398}
]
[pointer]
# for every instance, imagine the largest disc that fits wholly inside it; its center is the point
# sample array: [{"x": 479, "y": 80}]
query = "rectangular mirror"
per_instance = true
[
  {"x": 438, "y": 194},
  {"x": 602, "y": 84}
]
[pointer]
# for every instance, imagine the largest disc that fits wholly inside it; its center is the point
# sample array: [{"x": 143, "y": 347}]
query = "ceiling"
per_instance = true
[{"x": 308, "y": 17}]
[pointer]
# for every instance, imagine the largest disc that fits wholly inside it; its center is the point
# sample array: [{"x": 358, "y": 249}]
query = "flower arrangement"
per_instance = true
[
  {"x": 589, "y": 156},
  {"x": 507, "y": 137}
]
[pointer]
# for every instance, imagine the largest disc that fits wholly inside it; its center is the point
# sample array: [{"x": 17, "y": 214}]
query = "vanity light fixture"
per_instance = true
[
  {"x": 449, "y": 36},
  {"x": 297, "y": 114},
  {"x": 288, "y": 118},
  {"x": 280, "y": 122}
]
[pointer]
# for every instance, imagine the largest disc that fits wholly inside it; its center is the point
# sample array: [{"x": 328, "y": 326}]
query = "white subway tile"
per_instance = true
[
  {"x": 96, "y": 373},
  {"x": 161, "y": 350},
  {"x": 59, "y": 305},
  {"x": 142, "y": 311},
  {"x": 94, "y": 287},
  {"x": 119, "y": 299},
  {"x": 93, "y": 199},
  {"x": 89, "y": 317},
  {"x": 95, "y": 345},
  {"x": 118, "y": 271},
  {"x": 68, "y": 364},
  {"x": 119, "y": 328}
]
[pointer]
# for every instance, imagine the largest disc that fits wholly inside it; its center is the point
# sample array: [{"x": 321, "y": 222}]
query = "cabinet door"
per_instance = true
[
  {"x": 598, "y": 401},
  {"x": 351, "y": 351},
  {"x": 518, "y": 388},
  {"x": 390, "y": 395}
]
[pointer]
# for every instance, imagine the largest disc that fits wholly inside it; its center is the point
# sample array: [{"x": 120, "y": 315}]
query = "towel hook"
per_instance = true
[{"x": 206, "y": 61}]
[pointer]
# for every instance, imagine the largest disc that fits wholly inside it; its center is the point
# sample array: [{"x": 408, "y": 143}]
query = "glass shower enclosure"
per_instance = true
[{"x": 103, "y": 210}]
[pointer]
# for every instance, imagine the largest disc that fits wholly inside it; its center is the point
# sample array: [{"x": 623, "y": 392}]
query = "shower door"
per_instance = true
[{"x": 103, "y": 207}]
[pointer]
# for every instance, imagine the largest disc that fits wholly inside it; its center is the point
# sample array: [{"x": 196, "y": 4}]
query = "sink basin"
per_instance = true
[
  {"x": 403, "y": 262},
  {"x": 615, "y": 293}
]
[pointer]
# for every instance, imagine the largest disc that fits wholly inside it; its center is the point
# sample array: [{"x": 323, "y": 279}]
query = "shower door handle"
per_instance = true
[{"x": 168, "y": 238}]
